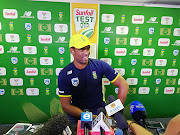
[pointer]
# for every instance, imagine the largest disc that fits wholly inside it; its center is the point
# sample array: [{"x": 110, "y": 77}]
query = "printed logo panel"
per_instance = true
[
  {"x": 138, "y": 19},
  {"x": 169, "y": 90},
  {"x": 148, "y": 52},
  {"x": 61, "y": 28},
  {"x": 176, "y": 32},
  {"x": 136, "y": 41},
  {"x": 44, "y": 15},
  {"x": 161, "y": 62},
  {"x": 163, "y": 42},
  {"x": 146, "y": 72},
  {"x": 29, "y": 50},
  {"x": 32, "y": 91},
  {"x": 132, "y": 81},
  {"x": 12, "y": 38},
  {"x": 144, "y": 90},
  {"x": 1, "y": 49},
  {"x": 45, "y": 39},
  {"x": 16, "y": 81},
  {"x": 121, "y": 71},
  {"x": 46, "y": 61},
  {"x": 2, "y": 71},
  {"x": 31, "y": 71},
  {"x": 107, "y": 18},
  {"x": 172, "y": 72},
  {"x": 10, "y": 13},
  {"x": 122, "y": 30},
  {"x": 166, "y": 20},
  {"x": 120, "y": 52}
]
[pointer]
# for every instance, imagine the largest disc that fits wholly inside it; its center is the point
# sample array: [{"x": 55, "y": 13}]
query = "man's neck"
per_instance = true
[{"x": 79, "y": 66}]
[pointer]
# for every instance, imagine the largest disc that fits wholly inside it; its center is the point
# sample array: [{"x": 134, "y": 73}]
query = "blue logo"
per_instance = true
[
  {"x": 61, "y": 50},
  {"x": 2, "y": 91},
  {"x": 136, "y": 106},
  {"x": 106, "y": 40}
]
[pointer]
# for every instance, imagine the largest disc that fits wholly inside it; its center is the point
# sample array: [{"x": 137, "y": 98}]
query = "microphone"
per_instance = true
[
  {"x": 55, "y": 126},
  {"x": 138, "y": 113},
  {"x": 101, "y": 123},
  {"x": 115, "y": 109},
  {"x": 118, "y": 132},
  {"x": 86, "y": 121}
]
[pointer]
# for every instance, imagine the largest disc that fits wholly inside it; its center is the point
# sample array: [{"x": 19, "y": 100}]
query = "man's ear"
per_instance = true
[{"x": 72, "y": 50}]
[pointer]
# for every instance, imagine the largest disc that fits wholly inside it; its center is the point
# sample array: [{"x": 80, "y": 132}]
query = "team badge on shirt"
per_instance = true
[
  {"x": 94, "y": 74},
  {"x": 75, "y": 81}
]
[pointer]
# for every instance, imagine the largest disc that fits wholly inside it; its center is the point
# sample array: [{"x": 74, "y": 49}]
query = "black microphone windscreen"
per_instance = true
[
  {"x": 101, "y": 109},
  {"x": 54, "y": 126},
  {"x": 111, "y": 98}
]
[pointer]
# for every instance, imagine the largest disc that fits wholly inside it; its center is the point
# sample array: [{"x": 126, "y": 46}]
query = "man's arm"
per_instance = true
[
  {"x": 71, "y": 109},
  {"x": 123, "y": 86}
]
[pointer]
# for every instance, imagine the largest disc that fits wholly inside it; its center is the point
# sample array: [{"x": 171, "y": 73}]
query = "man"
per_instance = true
[{"x": 80, "y": 82}]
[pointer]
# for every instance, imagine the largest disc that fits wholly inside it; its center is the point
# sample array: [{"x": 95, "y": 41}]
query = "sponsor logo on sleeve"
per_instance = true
[
  {"x": 44, "y": 15},
  {"x": 61, "y": 28},
  {"x": 144, "y": 90},
  {"x": 29, "y": 49},
  {"x": 132, "y": 81},
  {"x": 166, "y": 20},
  {"x": 32, "y": 91},
  {"x": 2, "y": 71},
  {"x": 105, "y": 81},
  {"x": 10, "y": 13},
  {"x": 46, "y": 61},
  {"x": 120, "y": 51},
  {"x": 169, "y": 90},
  {"x": 107, "y": 18},
  {"x": 146, "y": 72},
  {"x": 12, "y": 38},
  {"x": 122, "y": 30},
  {"x": 136, "y": 41},
  {"x": 161, "y": 62},
  {"x": 16, "y": 81},
  {"x": 138, "y": 19}
]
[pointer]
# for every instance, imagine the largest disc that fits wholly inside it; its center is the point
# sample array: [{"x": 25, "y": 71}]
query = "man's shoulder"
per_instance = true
[{"x": 67, "y": 68}]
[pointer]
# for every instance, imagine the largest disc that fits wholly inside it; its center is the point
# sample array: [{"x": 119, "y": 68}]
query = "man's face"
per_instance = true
[{"x": 81, "y": 55}]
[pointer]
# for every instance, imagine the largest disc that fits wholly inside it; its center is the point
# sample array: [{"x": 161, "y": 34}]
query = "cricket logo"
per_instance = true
[{"x": 84, "y": 20}]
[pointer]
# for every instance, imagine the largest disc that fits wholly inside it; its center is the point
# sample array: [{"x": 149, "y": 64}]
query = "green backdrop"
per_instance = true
[{"x": 17, "y": 106}]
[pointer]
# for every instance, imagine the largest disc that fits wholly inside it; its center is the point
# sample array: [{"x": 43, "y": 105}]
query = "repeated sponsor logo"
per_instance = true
[
  {"x": 122, "y": 30},
  {"x": 2, "y": 71},
  {"x": 2, "y": 92},
  {"x": 27, "y": 14},
  {"x": 12, "y": 38},
  {"x": 32, "y": 91},
  {"x": 146, "y": 72},
  {"x": 1, "y": 49},
  {"x": 0, "y": 26},
  {"x": 13, "y": 49},
  {"x": 47, "y": 81},
  {"x": 177, "y": 43},
  {"x": 135, "y": 52},
  {"x": 120, "y": 51},
  {"x": 46, "y": 61},
  {"x": 138, "y": 19},
  {"x": 144, "y": 90},
  {"x": 106, "y": 40},
  {"x": 176, "y": 32},
  {"x": 169, "y": 90},
  {"x": 179, "y": 81},
  {"x": 132, "y": 91},
  {"x": 44, "y": 27},
  {"x": 165, "y": 31},
  {"x": 107, "y": 18},
  {"x": 158, "y": 81},
  {"x": 166, "y": 20},
  {"x": 151, "y": 30},
  {"x": 61, "y": 50},
  {"x": 152, "y": 20},
  {"x": 172, "y": 72},
  {"x": 16, "y": 81},
  {"x": 29, "y": 49},
  {"x": 17, "y": 92},
  {"x": 58, "y": 70},
  {"x": 132, "y": 81},
  {"x": 121, "y": 41},
  {"x": 136, "y": 41},
  {"x": 30, "y": 61},
  {"x": 133, "y": 62},
  {"x": 147, "y": 62},
  {"x": 170, "y": 81},
  {"x": 10, "y": 13},
  {"x": 107, "y": 60},
  {"x": 175, "y": 52},
  {"x": 3, "y": 82},
  {"x": 28, "y": 26},
  {"x": 163, "y": 42},
  {"x": 148, "y": 52},
  {"x": 161, "y": 62},
  {"x": 0, "y": 37},
  {"x": 46, "y": 71},
  {"x": 14, "y": 60},
  {"x": 105, "y": 81},
  {"x": 61, "y": 28},
  {"x": 121, "y": 71},
  {"x": 159, "y": 72},
  {"x": 61, "y": 40},
  {"x": 107, "y": 30},
  {"x": 44, "y": 15},
  {"x": 45, "y": 39},
  {"x": 31, "y": 71}
]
